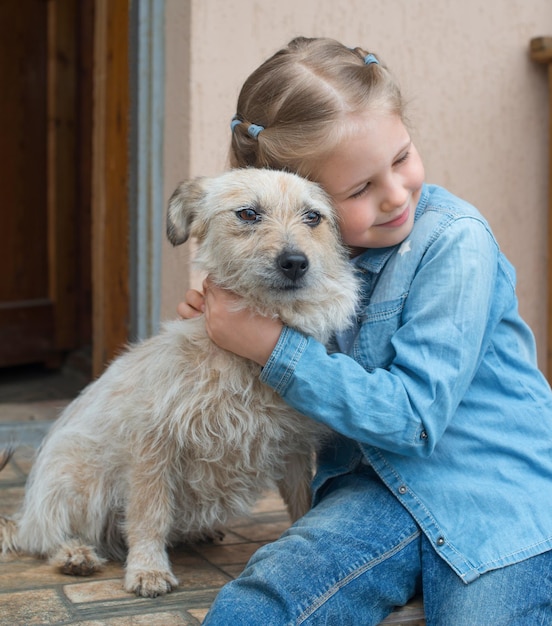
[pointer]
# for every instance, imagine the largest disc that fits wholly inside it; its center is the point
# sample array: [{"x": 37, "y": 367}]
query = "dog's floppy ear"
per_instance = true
[{"x": 183, "y": 208}]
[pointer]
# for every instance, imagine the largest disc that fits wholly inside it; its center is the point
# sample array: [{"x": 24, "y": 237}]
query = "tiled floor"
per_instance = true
[{"x": 32, "y": 593}]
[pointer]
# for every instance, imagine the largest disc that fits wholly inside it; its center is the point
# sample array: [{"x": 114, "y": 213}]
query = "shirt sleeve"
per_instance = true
[{"x": 443, "y": 334}]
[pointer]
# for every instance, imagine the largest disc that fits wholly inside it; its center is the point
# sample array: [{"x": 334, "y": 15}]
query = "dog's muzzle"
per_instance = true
[{"x": 292, "y": 264}]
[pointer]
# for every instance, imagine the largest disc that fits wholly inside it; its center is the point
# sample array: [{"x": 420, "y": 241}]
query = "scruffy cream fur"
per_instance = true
[{"x": 179, "y": 436}]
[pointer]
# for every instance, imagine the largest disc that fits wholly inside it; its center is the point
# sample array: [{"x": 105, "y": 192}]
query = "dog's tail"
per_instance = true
[{"x": 8, "y": 528}]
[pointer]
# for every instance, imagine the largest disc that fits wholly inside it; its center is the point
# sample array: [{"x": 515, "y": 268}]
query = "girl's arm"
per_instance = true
[
  {"x": 230, "y": 326},
  {"x": 405, "y": 405},
  {"x": 406, "y": 401}
]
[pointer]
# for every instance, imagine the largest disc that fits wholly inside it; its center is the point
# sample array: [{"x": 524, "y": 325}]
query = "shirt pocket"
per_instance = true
[{"x": 373, "y": 346}]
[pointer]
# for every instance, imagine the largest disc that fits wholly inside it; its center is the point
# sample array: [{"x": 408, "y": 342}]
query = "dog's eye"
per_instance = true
[
  {"x": 247, "y": 214},
  {"x": 312, "y": 218}
]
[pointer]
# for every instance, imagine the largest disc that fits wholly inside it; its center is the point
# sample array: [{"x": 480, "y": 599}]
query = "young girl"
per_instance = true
[{"x": 439, "y": 478}]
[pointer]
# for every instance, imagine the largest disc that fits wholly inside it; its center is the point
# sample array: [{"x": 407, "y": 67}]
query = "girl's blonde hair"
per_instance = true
[{"x": 299, "y": 96}]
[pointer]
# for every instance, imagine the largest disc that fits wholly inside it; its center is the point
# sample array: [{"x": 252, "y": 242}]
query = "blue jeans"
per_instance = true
[{"x": 358, "y": 554}]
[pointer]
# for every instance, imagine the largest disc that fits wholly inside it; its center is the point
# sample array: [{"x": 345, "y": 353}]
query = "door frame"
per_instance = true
[
  {"x": 127, "y": 180},
  {"x": 147, "y": 202},
  {"x": 109, "y": 193}
]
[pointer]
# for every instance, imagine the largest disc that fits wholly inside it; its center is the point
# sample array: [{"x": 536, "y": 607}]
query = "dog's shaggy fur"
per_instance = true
[{"x": 178, "y": 435}]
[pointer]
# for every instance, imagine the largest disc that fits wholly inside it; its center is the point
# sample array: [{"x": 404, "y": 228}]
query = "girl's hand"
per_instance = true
[
  {"x": 194, "y": 306},
  {"x": 240, "y": 331}
]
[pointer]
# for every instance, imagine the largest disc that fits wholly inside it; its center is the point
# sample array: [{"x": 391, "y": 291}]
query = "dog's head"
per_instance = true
[{"x": 273, "y": 238}]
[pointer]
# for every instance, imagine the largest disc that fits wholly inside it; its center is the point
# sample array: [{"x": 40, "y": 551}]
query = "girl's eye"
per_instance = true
[
  {"x": 312, "y": 218},
  {"x": 403, "y": 158},
  {"x": 360, "y": 193},
  {"x": 247, "y": 214}
]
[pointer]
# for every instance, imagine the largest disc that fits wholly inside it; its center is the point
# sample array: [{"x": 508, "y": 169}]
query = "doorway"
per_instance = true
[{"x": 64, "y": 80}]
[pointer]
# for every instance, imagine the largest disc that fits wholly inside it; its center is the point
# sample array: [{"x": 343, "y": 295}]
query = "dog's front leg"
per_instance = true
[
  {"x": 149, "y": 519},
  {"x": 295, "y": 486}
]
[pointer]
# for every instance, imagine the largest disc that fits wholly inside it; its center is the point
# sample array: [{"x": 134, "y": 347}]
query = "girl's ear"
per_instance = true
[{"x": 184, "y": 207}]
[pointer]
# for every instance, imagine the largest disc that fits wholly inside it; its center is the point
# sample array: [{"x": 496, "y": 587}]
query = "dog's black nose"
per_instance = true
[{"x": 293, "y": 264}]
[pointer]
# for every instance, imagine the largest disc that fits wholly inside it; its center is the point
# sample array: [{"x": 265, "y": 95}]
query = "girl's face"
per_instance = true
[{"x": 374, "y": 176}]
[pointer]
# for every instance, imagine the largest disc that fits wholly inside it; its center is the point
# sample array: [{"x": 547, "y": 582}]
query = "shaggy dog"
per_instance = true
[{"x": 178, "y": 435}]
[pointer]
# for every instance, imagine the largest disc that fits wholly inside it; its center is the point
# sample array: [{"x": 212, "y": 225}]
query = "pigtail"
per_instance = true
[{"x": 244, "y": 149}]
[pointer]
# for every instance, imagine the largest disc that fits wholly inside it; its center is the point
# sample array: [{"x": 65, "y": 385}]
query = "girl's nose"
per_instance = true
[{"x": 395, "y": 196}]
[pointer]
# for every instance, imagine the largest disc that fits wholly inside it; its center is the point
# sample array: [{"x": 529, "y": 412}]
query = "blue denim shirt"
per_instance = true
[{"x": 442, "y": 395}]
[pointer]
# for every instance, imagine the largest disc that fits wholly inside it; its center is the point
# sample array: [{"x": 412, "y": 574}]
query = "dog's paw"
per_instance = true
[
  {"x": 77, "y": 560},
  {"x": 150, "y": 584}
]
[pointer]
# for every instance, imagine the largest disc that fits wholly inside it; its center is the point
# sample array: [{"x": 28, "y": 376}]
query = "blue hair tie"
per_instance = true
[
  {"x": 369, "y": 59},
  {"x": 234, "y": 122},
  {"x": 254, "y": 130}
]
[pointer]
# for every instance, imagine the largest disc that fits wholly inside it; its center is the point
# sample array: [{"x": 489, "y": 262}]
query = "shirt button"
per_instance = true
[
  {"x": 440, "y": 541},
  {"x": 402, "y": 490},
  {"x": 423, "y": 435}
]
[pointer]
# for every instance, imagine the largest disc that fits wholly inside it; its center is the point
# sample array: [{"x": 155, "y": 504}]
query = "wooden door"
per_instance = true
[
  {"x": 39, "y": 218},
  {"x": 63, "y": 179}
]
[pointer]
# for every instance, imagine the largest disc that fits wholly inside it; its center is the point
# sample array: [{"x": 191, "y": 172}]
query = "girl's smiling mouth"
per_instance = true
[{"x": 398, "y": 221}]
